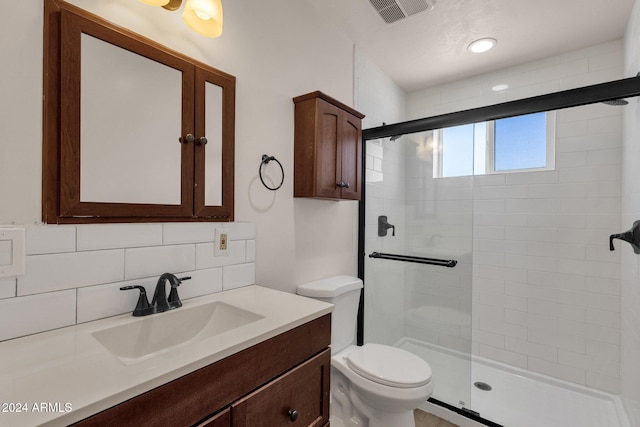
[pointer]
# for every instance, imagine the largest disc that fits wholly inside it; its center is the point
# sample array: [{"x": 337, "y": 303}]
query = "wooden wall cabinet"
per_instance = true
[
  {"x": 132, "y": 131},
  {"x": 327, "y": 148},
  {"x": 281, "y": 382}
]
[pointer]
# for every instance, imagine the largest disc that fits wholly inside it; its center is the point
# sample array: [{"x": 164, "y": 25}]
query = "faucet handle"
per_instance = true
[
  {"x": 174, "y": 298},
  {"x": 142, "y": 306}
]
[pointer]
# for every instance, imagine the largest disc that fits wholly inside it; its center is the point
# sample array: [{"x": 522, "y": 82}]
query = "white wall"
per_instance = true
[
  {"x": 277, "y": 50},
  {"x": 630, "y": 336},
  {"x": 546, "y": 289}
]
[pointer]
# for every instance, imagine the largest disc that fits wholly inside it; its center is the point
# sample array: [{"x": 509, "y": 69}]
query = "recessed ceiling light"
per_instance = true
[
  {"x": 500, "y": 87},
  {"x": 482, "y": 45}
]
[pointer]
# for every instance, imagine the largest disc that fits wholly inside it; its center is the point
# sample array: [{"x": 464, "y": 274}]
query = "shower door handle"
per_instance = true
[{"x": 416, "y": 259}]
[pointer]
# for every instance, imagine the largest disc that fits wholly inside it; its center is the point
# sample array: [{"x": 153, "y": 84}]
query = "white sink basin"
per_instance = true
[{"x": 157, "y": 333}]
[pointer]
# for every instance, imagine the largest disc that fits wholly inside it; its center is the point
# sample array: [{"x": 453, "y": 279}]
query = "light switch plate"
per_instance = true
[
  {"x": 11, "y": 251},
  {"x": 221, "y": 243}
]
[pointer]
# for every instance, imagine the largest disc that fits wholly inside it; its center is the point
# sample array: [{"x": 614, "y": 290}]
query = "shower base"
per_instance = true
[{"x": 518, "y": 398}]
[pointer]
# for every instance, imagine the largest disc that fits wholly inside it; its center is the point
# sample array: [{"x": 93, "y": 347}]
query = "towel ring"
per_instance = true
[{"x": 266, "y": 159}]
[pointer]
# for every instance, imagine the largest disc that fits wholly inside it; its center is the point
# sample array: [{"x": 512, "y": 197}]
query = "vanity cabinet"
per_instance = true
[
  {"x": 327, "y": 148},
  {"x": 133, "y": 131},
  {"x": 283, "y": 381}
]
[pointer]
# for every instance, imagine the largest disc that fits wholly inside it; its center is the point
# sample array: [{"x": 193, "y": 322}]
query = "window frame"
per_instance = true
[{"x": 489, "y": 151}]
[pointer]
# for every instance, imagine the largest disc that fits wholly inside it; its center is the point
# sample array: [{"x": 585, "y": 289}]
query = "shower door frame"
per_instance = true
[{"x": 617, "y": 89}]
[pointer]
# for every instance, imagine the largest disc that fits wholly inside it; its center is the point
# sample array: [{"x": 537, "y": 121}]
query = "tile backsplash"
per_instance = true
[{"x": 73, "y": 272}]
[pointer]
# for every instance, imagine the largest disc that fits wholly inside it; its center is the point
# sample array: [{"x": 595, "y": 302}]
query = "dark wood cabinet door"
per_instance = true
[
  {"x": 328, "y": 152},
  {"x": 351, "y": 155},
  {"x": 214, "y": 155},
  {"x": 298, "y": 398}
]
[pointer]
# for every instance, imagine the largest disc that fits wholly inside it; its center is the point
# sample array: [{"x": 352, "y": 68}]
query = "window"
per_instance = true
[{"x": 514, "y": 144}]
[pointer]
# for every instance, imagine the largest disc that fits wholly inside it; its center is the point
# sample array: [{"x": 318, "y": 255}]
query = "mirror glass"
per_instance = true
[
  {"x": 213, "y": 150},
  {"x": 130, "y": 112}
]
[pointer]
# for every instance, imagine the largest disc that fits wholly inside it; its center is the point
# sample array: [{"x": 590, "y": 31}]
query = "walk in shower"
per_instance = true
[{"x": 502, "y": 281}]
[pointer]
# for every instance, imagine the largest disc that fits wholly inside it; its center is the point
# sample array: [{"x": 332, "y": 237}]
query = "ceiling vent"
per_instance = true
[{"x": 394, "y": 10}]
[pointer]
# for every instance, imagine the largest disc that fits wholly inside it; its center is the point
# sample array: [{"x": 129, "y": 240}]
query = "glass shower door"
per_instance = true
[{"x": 418, "y": 260}]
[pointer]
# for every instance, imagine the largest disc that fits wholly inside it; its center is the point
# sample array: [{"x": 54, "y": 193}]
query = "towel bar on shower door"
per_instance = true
[{"x": 420, "y": 260}]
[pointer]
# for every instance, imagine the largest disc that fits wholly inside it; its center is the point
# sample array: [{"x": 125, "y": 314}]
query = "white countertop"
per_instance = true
[{"x": 75, "y": 376}]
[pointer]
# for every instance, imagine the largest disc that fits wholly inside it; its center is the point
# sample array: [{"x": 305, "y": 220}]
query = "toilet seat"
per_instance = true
[{"x": 389, "y": 366}]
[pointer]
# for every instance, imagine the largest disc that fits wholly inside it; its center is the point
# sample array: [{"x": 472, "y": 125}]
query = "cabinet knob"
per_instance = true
[
  {"x": 343, "y": 184},
  {"x": 293, "y": 415},
  {"x": 187, "y": 139},
  {"x": 202, "y": 141}
]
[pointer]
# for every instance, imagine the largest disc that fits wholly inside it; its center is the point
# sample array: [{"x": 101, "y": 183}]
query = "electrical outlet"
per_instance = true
[
  {"x": 221, "y": 243},
  {"x": 12, "y": 253}
]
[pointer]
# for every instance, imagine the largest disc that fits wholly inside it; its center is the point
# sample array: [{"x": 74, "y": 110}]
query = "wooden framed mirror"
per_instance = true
[{"x": 132, "y": 130}]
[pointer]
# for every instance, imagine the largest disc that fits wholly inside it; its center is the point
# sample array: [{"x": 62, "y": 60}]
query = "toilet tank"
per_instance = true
[{"x": 344, "y": 293}]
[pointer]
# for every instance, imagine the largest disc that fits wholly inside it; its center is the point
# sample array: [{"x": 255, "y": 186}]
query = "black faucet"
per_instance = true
[
  {"x": 160, "y": 302},
  {"x": 142, "y": 307}
]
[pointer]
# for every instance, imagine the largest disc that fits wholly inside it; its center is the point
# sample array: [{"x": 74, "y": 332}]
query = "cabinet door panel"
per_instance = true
[
  {"x": 124, "y": 117},
  {"x": 328, "y": 152},
  {"x": 304, "y": 389},
  {"x": 213, "y": 150},
  {"x": 115, "y": 136},
  {"x": 351, "y": 153},
  {"x": 215, "y": 106}
]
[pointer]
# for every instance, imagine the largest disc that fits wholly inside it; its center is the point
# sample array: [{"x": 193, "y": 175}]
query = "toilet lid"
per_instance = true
[{"x": 389, "y": 366}]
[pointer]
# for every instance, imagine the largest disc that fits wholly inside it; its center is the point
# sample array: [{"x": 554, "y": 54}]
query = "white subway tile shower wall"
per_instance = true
[
  {"x": 73, "y": 273},
  {"x": 546, "y": 288},
  {"x": 630, "y": 292}
]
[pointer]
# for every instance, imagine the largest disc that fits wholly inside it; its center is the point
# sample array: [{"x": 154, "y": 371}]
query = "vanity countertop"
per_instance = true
[{"x": 62, "y": 376}]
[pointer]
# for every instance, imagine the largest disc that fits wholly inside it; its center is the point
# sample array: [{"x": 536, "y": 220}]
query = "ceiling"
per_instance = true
[{"x": 430, "y": 48}]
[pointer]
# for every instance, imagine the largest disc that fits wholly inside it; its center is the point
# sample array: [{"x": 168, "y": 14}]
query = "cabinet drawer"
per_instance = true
[{"x": 304, "y": 389}]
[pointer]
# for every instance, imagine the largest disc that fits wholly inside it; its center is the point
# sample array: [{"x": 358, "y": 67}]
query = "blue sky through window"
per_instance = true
[
  {"x": 457, "y": 151},
  {"x": 521, "y": 142}
]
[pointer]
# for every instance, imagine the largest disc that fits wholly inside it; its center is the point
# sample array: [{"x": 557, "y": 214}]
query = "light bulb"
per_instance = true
[
  {"x": 482, "y": 45},
  {"x": 204, "y": 17},
  {"x": 155, "y": 2}
]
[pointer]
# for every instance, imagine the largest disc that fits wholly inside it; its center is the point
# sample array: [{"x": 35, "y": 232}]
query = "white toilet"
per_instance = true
[{"x": 374, "y": 385}]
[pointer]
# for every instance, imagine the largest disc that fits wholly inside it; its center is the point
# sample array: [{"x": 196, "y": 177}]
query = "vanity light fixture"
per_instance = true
[
  {"x": 155, "y": 2},
  {"x": 482, "y": 45},
  {"x": 202, "y": 16}
]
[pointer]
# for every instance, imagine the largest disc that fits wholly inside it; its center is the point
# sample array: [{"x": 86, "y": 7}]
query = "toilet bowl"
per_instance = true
[
  {"x": 373, "y": 385},
  {"x": 378, "y": 385}
]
